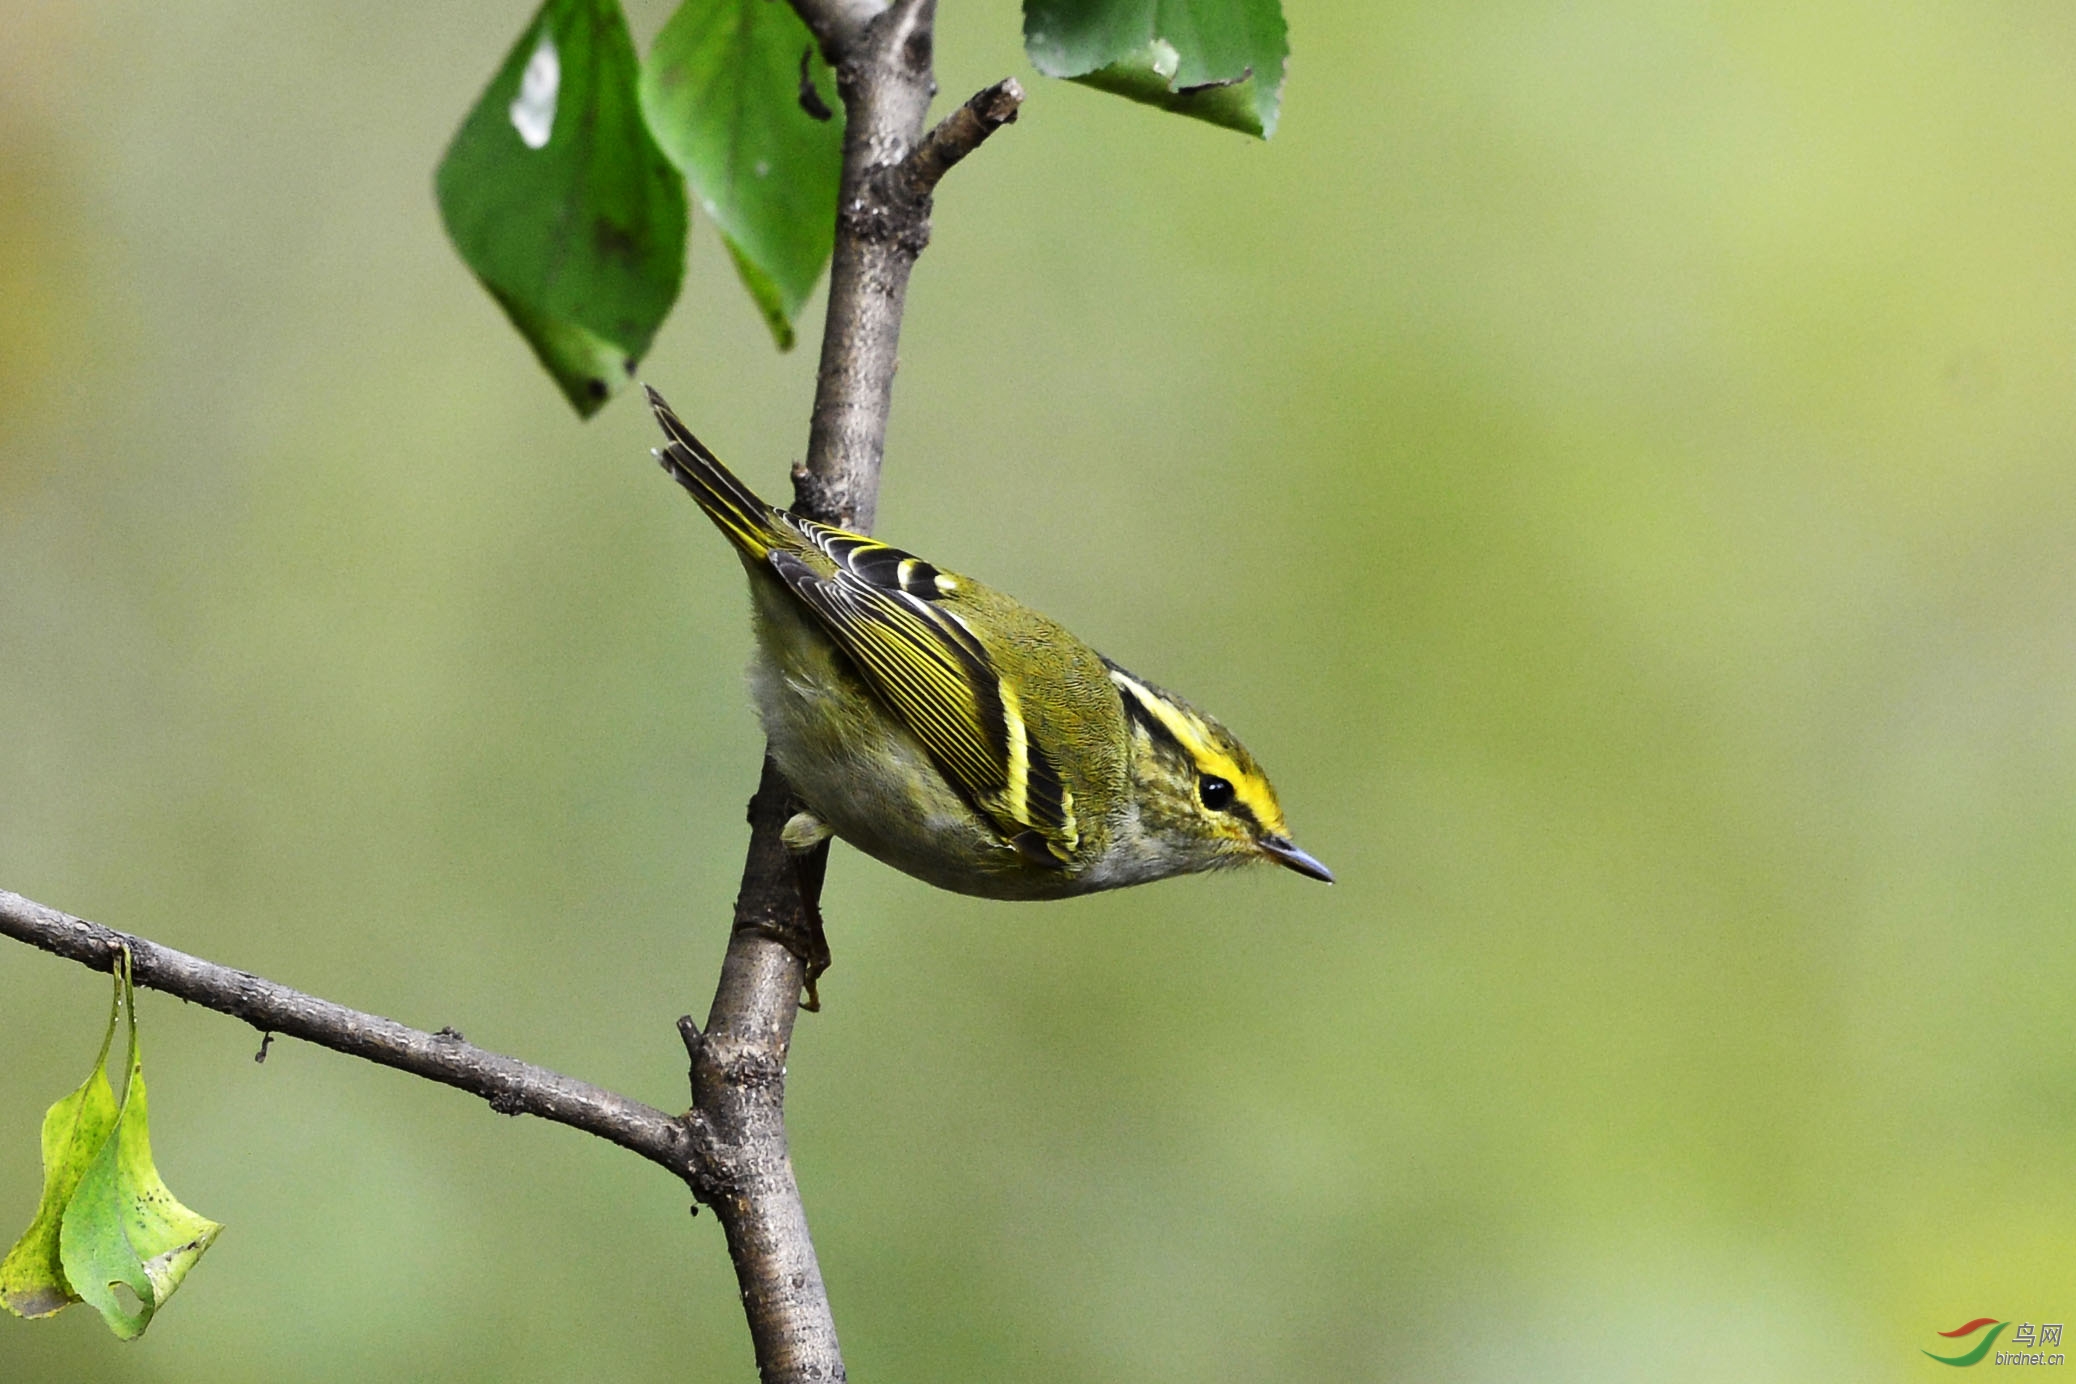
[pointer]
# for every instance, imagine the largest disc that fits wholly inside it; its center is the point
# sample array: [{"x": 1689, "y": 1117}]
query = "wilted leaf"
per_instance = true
[
  {"x": 558, "y": 198},
  {"x": 1216, "y": 60},
  {"x": 722, "y": 91}
]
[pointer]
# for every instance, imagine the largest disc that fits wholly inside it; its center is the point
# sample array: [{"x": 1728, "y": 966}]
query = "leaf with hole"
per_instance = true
[
  {"x": 559, "y": 200},
  {"x": 1216, "y": 60},
  {"x": 739, "y": 99}
]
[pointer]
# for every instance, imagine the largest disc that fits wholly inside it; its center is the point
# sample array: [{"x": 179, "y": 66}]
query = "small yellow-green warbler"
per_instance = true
[{"x": 962, "y": 737}]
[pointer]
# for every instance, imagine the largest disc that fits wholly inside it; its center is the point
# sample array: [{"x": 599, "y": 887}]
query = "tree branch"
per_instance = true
[
  {"x": 886, "y": 87},
  {"x": 739, "y": 1089},
  {"x": 883, "y": 72},
  {"x": 512, "y": 1087}
]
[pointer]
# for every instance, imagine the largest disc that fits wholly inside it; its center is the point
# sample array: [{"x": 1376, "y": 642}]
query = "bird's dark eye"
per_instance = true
[{"x": 1215, "y": 792}]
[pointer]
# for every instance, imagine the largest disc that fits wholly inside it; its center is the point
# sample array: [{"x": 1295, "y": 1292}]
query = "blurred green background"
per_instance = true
[{"x": 1612, "y": 462}]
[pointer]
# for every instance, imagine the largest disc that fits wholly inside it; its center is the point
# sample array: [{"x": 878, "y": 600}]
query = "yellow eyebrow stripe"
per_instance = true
[{"x": 1177, "y": 724}]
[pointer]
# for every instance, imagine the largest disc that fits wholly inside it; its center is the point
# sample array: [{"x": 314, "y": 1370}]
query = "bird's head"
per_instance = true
[{"x": 1203, "y": 803}]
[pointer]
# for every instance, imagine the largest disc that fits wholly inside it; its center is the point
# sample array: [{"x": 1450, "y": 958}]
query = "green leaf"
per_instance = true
[
  {"x": 124, "y": 1228},
  {"x": 558, "y": 198},
  {"x": 1216, "y": 60},
  {"x": 107, "y": 1232},
  {"x": 722, "y": 90},
  {"x": 32, "y": 1277}
]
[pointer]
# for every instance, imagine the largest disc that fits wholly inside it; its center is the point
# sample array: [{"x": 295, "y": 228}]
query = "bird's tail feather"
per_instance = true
[{"x": 734, "y": 507}]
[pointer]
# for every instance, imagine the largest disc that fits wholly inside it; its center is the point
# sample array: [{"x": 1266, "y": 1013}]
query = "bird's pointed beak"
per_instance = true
[{"x": 1284, "y": 851}]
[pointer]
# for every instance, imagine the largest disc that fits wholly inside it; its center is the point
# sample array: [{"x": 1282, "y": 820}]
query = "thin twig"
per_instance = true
[{"x": 512, "y": 1087}]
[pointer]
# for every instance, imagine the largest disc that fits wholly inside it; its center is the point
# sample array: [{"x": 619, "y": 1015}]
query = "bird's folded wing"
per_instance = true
[{"x": 939, "y": 679}]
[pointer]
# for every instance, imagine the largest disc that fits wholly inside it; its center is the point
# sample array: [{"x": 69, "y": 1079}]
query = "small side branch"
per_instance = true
[
  {"x": 512, "y": 1087},
  {"x": 954, "y": 137}
]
